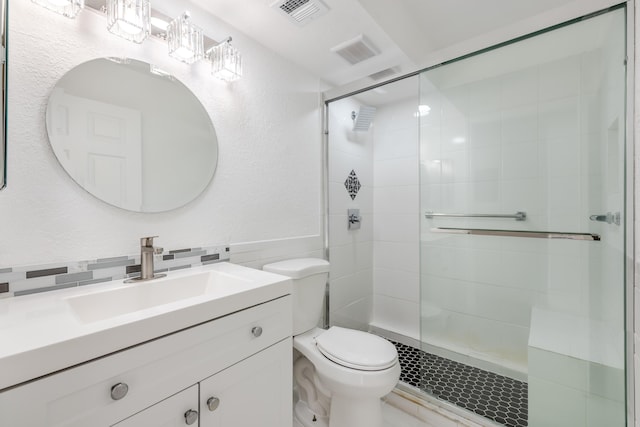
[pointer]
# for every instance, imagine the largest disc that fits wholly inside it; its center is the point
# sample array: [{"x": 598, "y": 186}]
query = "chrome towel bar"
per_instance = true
[
  {"x": 519, "y": 233},
  {"x": 518, "y": 216}
]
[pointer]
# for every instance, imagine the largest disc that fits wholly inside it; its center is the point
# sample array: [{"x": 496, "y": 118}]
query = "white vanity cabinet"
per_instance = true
[
  {"x": 175, "y": 411},
  {"x": 251, "y": 393},
  {"x": 242, "y": 359}
]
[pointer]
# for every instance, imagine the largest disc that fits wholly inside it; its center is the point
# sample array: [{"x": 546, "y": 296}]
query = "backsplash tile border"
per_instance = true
[{"x": 26, "y": 280}]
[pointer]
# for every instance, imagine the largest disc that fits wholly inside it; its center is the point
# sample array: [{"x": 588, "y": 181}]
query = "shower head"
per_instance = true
[{"x": 363, "y": 119}]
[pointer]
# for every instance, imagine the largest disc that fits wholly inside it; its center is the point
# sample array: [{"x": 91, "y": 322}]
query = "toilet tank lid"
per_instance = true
[{"x": 299, "y": 267}]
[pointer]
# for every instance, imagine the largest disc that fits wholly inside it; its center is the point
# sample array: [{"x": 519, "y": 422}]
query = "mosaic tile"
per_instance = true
[
  {"x": 496, "y": 397},
  {"x": 352, "y": 184}
]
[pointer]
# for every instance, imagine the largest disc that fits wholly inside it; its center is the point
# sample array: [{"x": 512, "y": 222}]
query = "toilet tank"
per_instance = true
[{"x": 309, "y": 276}]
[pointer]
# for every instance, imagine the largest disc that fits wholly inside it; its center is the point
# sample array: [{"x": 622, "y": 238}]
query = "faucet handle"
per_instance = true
[
  {"x": 158, "y": 250},
  {"x": 147, "y": 241}
]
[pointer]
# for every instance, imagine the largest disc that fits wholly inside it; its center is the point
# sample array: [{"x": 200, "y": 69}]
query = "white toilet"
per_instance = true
[{"x": 343, "y": 372}]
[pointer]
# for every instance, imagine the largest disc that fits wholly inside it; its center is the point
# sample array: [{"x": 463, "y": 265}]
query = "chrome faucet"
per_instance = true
[{"x": 147, "y": 252}]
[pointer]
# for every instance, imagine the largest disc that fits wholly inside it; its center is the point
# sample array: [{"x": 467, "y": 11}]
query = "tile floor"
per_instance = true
[
  {"x": 498, "y": 398},
  {"x": 394, "y": 417}
]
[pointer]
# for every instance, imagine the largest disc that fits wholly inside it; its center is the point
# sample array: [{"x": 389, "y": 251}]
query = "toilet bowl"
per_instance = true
[{"x": 341, "y": 373}]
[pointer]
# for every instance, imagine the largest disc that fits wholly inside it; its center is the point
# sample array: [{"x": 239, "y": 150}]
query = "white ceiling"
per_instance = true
[{"x": 408, "y": 33}]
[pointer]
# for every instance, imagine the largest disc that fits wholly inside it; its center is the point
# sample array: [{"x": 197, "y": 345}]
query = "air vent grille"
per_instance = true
[
  {"x": 383, "y": 74},
  {"x": 355, "y": 50},
  {"x": 301, "y": 12},
  {"x": 291, "y": 5}
]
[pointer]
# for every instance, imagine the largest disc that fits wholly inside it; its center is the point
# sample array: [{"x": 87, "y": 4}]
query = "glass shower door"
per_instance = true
[{"x": 522, "y": 179}]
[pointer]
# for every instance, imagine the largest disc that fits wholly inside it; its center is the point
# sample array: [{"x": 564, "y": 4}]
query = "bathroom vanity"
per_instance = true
[{"x": 205, "y": 347}]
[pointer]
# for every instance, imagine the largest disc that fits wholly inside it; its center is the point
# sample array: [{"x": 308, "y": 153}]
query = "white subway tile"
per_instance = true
[
  {"x": 519, "y": 88},
  {"x": 560, "y": 79},
  {"x": 520, "y": 124},
  {"x": 483, "y": 95},
  {"x": 396, "y": 143},
  {"x": 454, "y": 166},
  {"x": 485, "y": 129},
  {"x": 350, "y": 289},
  {"x": 397, "y": 315},
  {"x": 397, "y": 228},
  {"x": 396, "y": 200},
  {"x": 395, "y": 172},
  {"x": 396, "y": 283},
  {"x": 485, "y": 164},
  {"x": 342, "y": 259},
  {"x": 520, "y": 160},
  {"x": 559, "y": 118},
  {"x": 403, "y": 256},
  {"x": 454, "y": 136}
]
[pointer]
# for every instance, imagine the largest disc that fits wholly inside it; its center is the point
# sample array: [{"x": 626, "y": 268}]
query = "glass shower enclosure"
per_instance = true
[{"x": 492, "y": 197}]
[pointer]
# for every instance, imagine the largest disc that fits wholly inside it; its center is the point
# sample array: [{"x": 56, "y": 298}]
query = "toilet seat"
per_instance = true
[{"x": 356, "y": 349}]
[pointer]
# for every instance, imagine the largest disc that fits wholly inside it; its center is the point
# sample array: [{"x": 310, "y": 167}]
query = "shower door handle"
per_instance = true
[{"x": 609, "y": 218}]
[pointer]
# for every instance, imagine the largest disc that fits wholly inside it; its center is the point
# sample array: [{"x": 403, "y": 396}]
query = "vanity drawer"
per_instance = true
[{"x": 146, "y": 373}]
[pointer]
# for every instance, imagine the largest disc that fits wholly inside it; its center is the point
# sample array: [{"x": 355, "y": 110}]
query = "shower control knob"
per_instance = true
[
  {"x": 256, "y": 331},
  {"x": 213, "y": 403},
  {"x": 190, "y": 417},
  {"x": 119, "y": 391}
]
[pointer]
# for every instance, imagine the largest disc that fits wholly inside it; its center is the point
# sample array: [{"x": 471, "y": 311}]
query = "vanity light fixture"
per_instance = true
[
  {"x": 68, "y": 8},
  {"x": 226, "y": 61},
  {"x": 129, "y": 19},
  {"x": 185, "y": 40},
  {"x": 159, "y": 23},
  {"x": 136, "y": 20}
]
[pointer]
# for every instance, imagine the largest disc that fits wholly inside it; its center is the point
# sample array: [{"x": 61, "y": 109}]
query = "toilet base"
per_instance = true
[
  {"x": 305, "y": 417},
  {"x": 347, "y": 412}
]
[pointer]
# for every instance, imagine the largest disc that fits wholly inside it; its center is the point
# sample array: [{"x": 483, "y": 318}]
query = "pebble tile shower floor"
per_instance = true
[{"x": 493, "y": 396}]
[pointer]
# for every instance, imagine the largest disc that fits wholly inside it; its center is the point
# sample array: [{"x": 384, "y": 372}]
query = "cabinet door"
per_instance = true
[
  {"x": 171, "y": 412},
  {"x": 254, "y": 392}
]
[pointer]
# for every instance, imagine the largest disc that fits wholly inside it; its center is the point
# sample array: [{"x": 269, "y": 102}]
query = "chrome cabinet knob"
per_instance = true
[
  {"x": 119, "y": 391},
  {"x": 190, "y": 417},
  {"x": 256, "y": 331},
  {"x": 213, "y": 403}
]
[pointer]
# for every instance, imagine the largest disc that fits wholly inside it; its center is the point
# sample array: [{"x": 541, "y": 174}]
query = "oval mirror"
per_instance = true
[{"x": 131, "y": 135}]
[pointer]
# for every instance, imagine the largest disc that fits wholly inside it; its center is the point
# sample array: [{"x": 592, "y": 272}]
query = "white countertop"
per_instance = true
[{"x": 41, "y": 333}]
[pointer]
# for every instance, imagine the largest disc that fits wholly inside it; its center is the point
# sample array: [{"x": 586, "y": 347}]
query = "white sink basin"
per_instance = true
[{"x": 134, "y": 297}]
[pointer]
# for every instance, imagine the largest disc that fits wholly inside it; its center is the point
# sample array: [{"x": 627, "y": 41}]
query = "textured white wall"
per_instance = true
[{"x": 267, "y": 185}]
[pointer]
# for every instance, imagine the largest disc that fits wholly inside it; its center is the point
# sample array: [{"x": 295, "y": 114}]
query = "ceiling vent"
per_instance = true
[
  {"x": 384, "y": 73},
  {"x": 356, "y": 50},
  {"x": 301, "y": 12}
]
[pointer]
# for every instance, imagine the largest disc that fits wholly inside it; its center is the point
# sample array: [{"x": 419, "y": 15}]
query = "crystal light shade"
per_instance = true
[
  {"x": 129, "y": 19},
  {"x": 226, "y": 61},
  {"x": 185, "y": 40},
  {"x": 68, "y": 8}
]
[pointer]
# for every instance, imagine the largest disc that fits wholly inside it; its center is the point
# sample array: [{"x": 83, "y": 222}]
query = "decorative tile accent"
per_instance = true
[
  {"x": 47, "y": 272},
  {"x": 110, "y": 262},
  {"x": 28, "y": 280},
  {"x": 498, "y": 398},
  {"x": 74, "y": 277},
  {"x": 352, "y": 184},
  {"x": 137, "y": 268}
]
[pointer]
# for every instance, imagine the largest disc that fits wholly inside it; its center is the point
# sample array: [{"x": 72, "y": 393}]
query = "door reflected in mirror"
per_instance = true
[{"x": 131, "y": 135}]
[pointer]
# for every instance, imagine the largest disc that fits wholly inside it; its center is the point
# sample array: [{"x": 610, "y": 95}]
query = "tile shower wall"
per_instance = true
[
  {"x": 396, "y": 233},
  {"x": 524, "y": 141},
  {"x": 267, "y": 124},
  {"x": 350, "y": 251}
]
